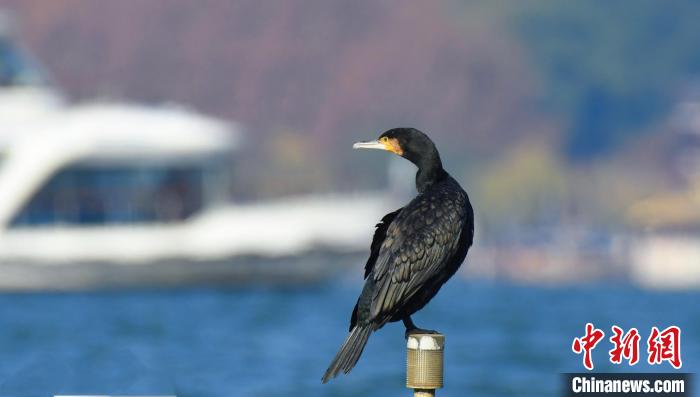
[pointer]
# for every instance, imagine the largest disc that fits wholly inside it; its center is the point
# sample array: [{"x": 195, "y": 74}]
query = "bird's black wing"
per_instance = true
[
  {"x": 378, "y": 239},
  {"x": 418, "y": 245}
]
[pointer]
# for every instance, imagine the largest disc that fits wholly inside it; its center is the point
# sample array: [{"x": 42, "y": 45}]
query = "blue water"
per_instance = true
[{"x": 502, "y": 339}]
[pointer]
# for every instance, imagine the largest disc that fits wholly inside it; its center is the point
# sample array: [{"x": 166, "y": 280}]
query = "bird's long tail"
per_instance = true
[{"x": 349, "y": 353}]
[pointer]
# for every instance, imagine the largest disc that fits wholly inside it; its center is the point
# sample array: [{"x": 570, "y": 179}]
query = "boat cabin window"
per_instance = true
[{"x": 97, "y": 195}]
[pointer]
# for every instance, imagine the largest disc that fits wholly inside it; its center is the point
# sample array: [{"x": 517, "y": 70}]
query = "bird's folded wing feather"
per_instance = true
[
  {"x": 378, "y": 239},
  {"x": 408, "y": 258}
]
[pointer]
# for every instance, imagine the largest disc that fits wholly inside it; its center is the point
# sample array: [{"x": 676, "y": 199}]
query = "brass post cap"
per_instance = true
[{"x": 424, "y": 361}]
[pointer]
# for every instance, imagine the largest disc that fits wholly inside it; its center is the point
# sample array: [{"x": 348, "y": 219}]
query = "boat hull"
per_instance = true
[{"x": 237, "y": 272}]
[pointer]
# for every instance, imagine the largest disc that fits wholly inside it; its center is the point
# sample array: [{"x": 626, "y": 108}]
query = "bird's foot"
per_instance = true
[{"x": 413, "y": 331}]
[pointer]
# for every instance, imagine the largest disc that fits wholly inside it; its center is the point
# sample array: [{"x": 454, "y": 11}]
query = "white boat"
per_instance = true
[
  {"x": 108, "y": 194},
  {"x": 111, "y": 195}
]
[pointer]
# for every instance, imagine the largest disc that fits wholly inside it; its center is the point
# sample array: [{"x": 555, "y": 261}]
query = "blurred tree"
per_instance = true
[
  {"x": 328, "y": 72},
  {"x": 611, "y": 66},
  {"x": 526, "y": 185}
]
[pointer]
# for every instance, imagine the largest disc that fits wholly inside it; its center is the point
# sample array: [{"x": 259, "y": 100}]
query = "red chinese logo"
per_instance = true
[
  {"x": 587, "y": 343},
  {"x": 661, "y": 345},
  {"x": 665, "y": 346},
  {"x": 626, "y": 346}
]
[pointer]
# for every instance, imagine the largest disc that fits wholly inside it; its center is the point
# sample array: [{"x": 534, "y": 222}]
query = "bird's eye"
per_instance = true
[{"x": 383, "y": 139}]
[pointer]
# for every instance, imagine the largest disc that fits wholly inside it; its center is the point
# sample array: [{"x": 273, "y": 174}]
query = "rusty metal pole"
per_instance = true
[{"x": 424, "y": 363}]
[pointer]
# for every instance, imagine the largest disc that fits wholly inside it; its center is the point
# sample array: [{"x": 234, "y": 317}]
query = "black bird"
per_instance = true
[{"x": 415, "y": 249}]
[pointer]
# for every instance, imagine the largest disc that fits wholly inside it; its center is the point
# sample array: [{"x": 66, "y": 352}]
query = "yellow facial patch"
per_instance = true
[{"x": 392, "y": 145}]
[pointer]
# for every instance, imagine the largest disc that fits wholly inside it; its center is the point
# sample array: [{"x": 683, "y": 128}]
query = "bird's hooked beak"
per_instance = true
[
  {"x": 369, "y": 145},
  {"x": 388, "y": 144}
]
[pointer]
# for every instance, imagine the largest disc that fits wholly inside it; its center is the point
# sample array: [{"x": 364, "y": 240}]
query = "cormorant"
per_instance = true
[{"x": 415, "y": 249}]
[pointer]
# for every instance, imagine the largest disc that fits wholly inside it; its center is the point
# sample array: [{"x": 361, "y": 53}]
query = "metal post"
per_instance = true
[{"x": 424, "y": 363}]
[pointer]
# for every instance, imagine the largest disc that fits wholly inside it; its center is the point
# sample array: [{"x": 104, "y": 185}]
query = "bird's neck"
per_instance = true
[{"x": 429, "y": 172}]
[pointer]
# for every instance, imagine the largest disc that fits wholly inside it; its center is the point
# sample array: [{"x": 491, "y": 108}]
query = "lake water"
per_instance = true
[{"x": 502, "y": 339}]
